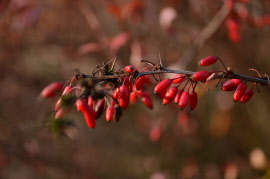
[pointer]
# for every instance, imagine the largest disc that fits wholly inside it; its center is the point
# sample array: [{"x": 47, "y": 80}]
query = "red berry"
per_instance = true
[
  {"x": 133, "y": 97},
  {"x": 246, "y": 97},
  {"x": 61, "y": 112},
  {"x": 162, "y": 87},
  {"x": 239, "y": 92},
  {"x": 115, "y": 93},
  {"x": 50, "y": 90},
  {"x": 155, "y": 133},
  {"x": 193, "y": 100},
  {"x": 129, "y": 69},
  {"x": 90, "y": 101},
  {"x": 126, "y": 81},
  {"x": 140, "y": 82},
  {"x": 90, "y": 117},
  {"x": 123, "y": 96},
  {"x": 67, "y": 90},
  {"x": 110, "y": 112},
  {"x": 169, "y": 95},
  {"x": 183, "y": 102},
  {"x": 208, "y": 61},
  {"x": 178, "y": 78},
  {"x": 147, "y": 100},
  {"x": 200, "y": 75},
  {"x": 230, "y": 85},
  {"x": 178, "y": 96}
]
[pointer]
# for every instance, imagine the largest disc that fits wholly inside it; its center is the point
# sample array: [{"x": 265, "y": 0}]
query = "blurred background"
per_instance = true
[{"x": 45, "y": 41}]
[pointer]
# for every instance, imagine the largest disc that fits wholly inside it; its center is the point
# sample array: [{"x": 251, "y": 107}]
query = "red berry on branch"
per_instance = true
[
  {"x": 231, "y": 84},
  {"x": 67, "y": 90},
  {"x": 99, "y": 107},
  {"x": 110, "y": 111},
  {"x": 50, "y": 90},
  {"x": 133, "y": 97},
  {"x": 193, "y": 100},
  {"x": 239, "y": 92},
  {"x": 123, "y": 96},
  {"x": 247, "y": 96},
  {"x": 90, "y": 101},
  {"x": 200, "y": 75},
  {"x": 147, "y": 100},
  {"x": 178, "y": 96},
  {"x": 129, "y": 69},
  {"x": 140, "y": 82},
  {"x": 184, "y": 99},
  {"x": 90, "y": 117},
  {"x": 208, "y": 61},
  {"x": 169, "y": 95},
  {"x": 178, "y": 78},
  {"x": 162, "y": 86}
]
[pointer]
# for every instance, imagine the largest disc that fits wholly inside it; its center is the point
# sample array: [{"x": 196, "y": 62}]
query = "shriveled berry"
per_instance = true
[
  {"x": 178, "y": 96},
  {"x": 169, "y": 95},
  {"x": 129, "y": 69},
  {"x": 178, "y": 78},
  {"x": 50, "y": 90},
  {"x": 162, "y": 86},
  {"x": 231, "y": 84},
  {"x": 147, "y": 100},
  {"x": 183, "y": 102},
  {"x": 247, "y": 96},
  {"x": 239, "y": 92},
  {"x": 208, "y": 61},
  {"x": 193, "y": 100},
  {"x": 140, "y": 82},
  {"x": 200, "y": 75}
]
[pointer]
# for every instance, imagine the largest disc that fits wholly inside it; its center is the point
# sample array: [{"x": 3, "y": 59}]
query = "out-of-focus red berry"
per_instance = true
[
  {"x": 147, "y": 100},
  {"x": 193, "y": 100},
  {"x": 231, "y": 84},
  {"x": 140, "y": 82},
  {"x": 247, "y": 96},
  {"x": 123, "y": 96},
  {"x": 239, "y": 92},
  {"x": 50, "y": 90},
  {"x": 208, "y": 61}
]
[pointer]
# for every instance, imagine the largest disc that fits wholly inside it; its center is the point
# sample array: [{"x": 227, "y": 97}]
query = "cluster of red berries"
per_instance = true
[
  {"x": 92, "y": 97},
  {"x": 112, "y": 91},
  {"x": 239, "y": 16}
]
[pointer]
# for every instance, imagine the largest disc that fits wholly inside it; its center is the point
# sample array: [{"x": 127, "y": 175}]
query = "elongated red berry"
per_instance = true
[
  {"x": 178, "y": 78},
  {"x": 90, "y": 101},
  {"x": 162, "y": 86},
  {"x": 116, "y": 93},
  {"x": 178, "y": 96},
  {"x": 67, "y": 90},
  {"x": 140, "y": 82},
  {"x": 147, "y": 100},
  {"x": 169, "y": 95},
  {"x": 81, "y": 105},
  {"x": 247, "y": 96},
  {"x": 184, "y": 99},
  {"x": 50, "y": 90},
  {"x": 193, "y": 100},
  {"x": 200, "y": 75},
  {"x": 208, "y": 61},
  {"x": 133, "y": 97},
  {"x": 129, "y": 69},
  {"x": 110, "y": 112},
  {"x": 90, "y": 117},
  {"x": 126, "y": 81},
  {"x": 239, "y": 92},
  {"x": 123, "y": 96},
  {"x": 230, "y": 85}
]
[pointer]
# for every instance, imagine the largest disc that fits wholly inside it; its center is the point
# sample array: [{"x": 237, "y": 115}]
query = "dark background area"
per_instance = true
[{"x": 44, "y": 41}]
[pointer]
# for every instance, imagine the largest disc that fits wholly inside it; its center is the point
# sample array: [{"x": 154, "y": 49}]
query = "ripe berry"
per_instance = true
[
  {"x": 178, "y": 78},
  {"x": 123, "y": 96},
  {"x": 239, "y": 92},
  {"x": 67, "y": 90},
  {"x": 133, "y": 97},
  {"x": 110, "y": 111},
  {"x": 193, "y": 100},
  {"x": 169, "y": 95},
  {"x": 90, "y": 117},
  {"x": 147, "y": 100},
  {"x": 50, "y": 90},
  {"x": 99, "y": 107},
  {"x": 140, "y": 82},
  {"x": 162, "y": 86},
  {"x": 129, "y": 69},
  {"x": 178, "y": 96},
  {"x": 183, "y": 102},
  {"x": 200, "y": 75},
  {"x": 208, "y": 61},
  {"x": 247, "y": 95},
  {"x": 230, "y": 85}
]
